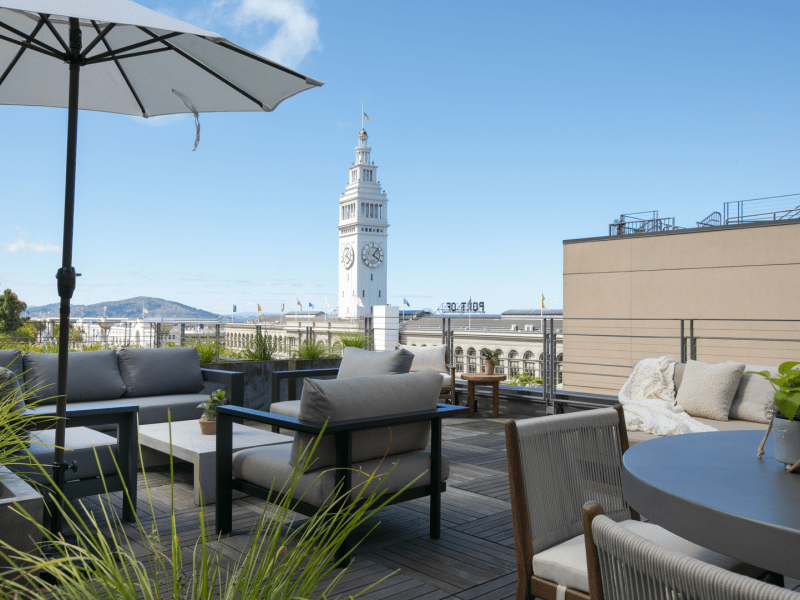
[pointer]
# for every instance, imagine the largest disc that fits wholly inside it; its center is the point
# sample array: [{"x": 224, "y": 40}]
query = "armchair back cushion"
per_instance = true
[
  {"x": 91, "y": 375},
  {"x": 364, "y": 397},
  {"x": 160, "y": 371},
  {"x": 428, "y": 357},
  {"x": 364, "y": 363},
  {"x": 11, "y": 360}
]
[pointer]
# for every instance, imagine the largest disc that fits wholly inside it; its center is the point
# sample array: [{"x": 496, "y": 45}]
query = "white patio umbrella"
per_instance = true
[{"x": 130, "y": 60}]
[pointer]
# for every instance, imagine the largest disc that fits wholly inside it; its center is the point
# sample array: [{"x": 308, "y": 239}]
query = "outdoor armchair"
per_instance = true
[
  {"x": 381, "y": 423},
  {"x": 625, "y": 565},
  {"x": 556, "y": 464}
]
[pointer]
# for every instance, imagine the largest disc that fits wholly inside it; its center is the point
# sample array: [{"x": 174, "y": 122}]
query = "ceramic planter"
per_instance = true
[
  {"x": 15, "y": 529},
  {"x": 787, "y": 439},
  {"x": 489, "y": 365},
  {"x": 208, "y": 427}
]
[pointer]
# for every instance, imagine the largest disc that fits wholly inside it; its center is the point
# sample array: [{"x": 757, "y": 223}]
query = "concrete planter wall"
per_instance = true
[
  {"x": 14, "y": 528},
  {"x": 258, "y": 377}
]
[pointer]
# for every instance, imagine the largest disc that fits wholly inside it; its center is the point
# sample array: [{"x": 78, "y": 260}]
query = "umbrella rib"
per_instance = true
[
  {"x": 206, "y": 69},
  {"x": 31, "y": 47},
  {"x": 105, "y": 55},
  {"x": 55, "y": 33},
  {"x": 100, "y": 37},
  {"x": 24, "y": 36},
  {"x": 21, "y": 51},
  {"x": 131, "y": 55},
  {"x": 122, "y": 72}
]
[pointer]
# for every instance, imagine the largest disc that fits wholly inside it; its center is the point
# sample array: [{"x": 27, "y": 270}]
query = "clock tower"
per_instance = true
[{"x": 362, "y": 237}]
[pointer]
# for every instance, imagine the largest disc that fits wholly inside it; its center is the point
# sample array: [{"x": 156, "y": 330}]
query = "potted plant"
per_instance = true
[
  {"x": 786, "y": 420},
  {"x": 208, "y": 422},
  {"x": 490, "y": 360}
]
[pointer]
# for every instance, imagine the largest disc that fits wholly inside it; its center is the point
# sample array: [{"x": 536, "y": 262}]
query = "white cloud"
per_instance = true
[{"x": 23, "y": 244}]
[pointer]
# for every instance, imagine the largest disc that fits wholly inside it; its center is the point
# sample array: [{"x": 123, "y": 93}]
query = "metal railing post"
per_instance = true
[
  {"x": 183, "y": 334},
  {"x": 553, "y": 367},
  {"x": 217, "y": 328},
  {"x": 158, "y": 335},
  {"x": 692, "y": 341},
  {"x": 683, "y": 343}
]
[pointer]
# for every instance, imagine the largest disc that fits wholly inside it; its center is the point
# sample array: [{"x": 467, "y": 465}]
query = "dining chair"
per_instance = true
[
  {"x": 623, "y": 565},
  {"x": 556, "y": 464}
]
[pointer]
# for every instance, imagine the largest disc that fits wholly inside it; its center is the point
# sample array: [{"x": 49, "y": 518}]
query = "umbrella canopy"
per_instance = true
[
  {"x": 131, "y": 60},
  {"x": 116, "y": 56}
]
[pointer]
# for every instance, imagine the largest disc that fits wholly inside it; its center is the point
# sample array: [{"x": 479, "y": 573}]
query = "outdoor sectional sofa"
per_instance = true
[
  {"x": 158, "y": 381},
  {"x": 749, "y": 410}
]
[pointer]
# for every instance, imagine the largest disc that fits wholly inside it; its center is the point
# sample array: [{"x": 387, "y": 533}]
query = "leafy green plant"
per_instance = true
[
  {"x": 787, "y": 387},
  {"x": 90, "y": 347},
  {"x": 208, "y": 349},
  {"x": 490, "y": 355},
  {"x": 280, "y": 563},
  {"x": 522, "y": 379},
  {"x": 261, "y": 348},
  {"x": 353, "y": 339},
  {"x": 311, "y": 350},
  {"x": 210, "y": 406}
]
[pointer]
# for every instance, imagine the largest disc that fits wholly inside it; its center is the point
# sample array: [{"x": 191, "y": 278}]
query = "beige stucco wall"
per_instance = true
[{"x": 748, "y": 272}]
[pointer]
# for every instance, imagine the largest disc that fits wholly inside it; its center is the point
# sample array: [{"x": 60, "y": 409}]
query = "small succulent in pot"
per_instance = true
[
  {"x": 208, "y": 422},
  {"x": 492, "y": 356}
]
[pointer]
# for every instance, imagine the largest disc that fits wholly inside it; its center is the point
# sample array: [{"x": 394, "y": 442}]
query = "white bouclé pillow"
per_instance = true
[{"x": 707, "y": 390}]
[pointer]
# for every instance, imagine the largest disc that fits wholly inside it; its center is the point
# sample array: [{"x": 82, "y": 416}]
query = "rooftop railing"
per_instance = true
[{"x": 773, "y": 208}]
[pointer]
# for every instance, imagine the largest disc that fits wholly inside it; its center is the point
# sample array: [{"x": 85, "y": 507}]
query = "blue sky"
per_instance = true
[{"x": 500, "y": 129}]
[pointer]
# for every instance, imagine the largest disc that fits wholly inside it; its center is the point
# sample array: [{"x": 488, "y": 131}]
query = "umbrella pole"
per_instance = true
[{"x": 66, "y": 274}]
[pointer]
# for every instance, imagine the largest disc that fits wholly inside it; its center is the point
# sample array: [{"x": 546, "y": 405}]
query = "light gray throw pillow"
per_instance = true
[
  {"x": 160, "y": 371},
  {"x": 707, "y": 390},
  {"x": 362, "y": 398},
  {"x": 755, "y": 397},
  {"x": 427, "y": 357},
  {"x": 364, "y": 363},
  {"x": 91, "y": 375}
]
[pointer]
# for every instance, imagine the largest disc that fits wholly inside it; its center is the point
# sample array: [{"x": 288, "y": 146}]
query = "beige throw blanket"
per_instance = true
[{"x": 649, "y": 400}]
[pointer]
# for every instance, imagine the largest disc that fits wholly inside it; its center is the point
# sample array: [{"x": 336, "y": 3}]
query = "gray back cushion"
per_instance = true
[
  {"x": 362, "y": 398},
  {"x": 364, "y": 363},
  {"x": 11, "y": 360},
  {"x": 91, "y": 375},
  {"x": 10, "y": 389},
  {"x": 160, "y": 371}
]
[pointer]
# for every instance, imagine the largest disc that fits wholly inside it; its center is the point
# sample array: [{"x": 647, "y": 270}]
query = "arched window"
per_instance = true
[
  {"x": 527, "y": 363},
  {"x": 500, "y": 369},
  {"x": 459, "y": 354},
  {"x": 513, "y": 362},
  {"x": 472, "y": 360}
]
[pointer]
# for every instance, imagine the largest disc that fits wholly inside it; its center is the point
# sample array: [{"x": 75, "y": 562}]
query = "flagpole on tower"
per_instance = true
[{"x": 362, "y": 115}]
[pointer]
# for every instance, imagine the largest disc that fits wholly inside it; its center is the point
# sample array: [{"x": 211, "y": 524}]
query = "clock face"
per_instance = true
[
  {"x": 372, "y": 255},
  {"x": 347, "y": 257}
]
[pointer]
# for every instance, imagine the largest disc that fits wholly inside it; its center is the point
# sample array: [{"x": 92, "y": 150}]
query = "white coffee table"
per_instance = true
[{"x": 201, "y": 450}]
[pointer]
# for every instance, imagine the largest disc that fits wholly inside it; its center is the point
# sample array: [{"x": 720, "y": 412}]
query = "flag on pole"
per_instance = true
[
  {"x": 543, "y": 301},
  {"x": 259, "y": 307},
  {"x": 234, "y": 308},
  {"x": 282, "y": 306},
  {"x": 328, "y": 306},
  {"x": 406, "y": 303},
  {"x": 366, "y": 117},
  {"x": 310, "y": 305},
  {"x": 298, "y": 302},
  {"x": 359, "y": 302}
]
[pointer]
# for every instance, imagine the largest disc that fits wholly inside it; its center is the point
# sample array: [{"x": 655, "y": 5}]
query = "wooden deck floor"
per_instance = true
[{"x": 473, "y": 559}]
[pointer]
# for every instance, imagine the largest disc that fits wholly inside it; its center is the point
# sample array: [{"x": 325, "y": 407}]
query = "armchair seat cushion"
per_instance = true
[
  {"x": 80, "y": 444},
  {"x": 289, "y": 408},
  {"x": 565, "y": 563},
  {"x": 268, "y": 466}
]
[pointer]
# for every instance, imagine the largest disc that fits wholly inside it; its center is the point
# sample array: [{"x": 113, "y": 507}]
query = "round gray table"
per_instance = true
[{"x": 711, "y": 489}]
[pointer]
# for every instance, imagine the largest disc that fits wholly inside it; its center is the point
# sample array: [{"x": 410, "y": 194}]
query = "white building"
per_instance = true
[{"x": 363, "y": 222}]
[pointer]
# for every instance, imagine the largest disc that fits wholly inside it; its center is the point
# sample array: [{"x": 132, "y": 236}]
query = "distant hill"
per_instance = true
[{"x": 131, "y": 308}]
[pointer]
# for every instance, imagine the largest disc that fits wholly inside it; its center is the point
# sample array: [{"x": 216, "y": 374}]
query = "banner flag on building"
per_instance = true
[
  {"x": 310, "y": 305},
  {"x": 259, "y": 307},
  {"x": 406, "y": 303},
  {"x": 328, "y": 306},
  {"x": 234, "y": 308},
  {"x": 282, "y": 306},
  {"x": 542, "y": 301}
]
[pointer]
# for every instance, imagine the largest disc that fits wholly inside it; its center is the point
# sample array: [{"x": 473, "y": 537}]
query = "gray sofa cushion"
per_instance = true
[
  {"x": 636, "y": 437},
  {"x": 12, "y": 360},
  {"x": 755, "y": 397},
  {"x": 160, "y": 371},
  {"x": 90, "y": 376},
  {"x": 80, "y": 444},
  {"x": 269, "y": 466},
  {"x": 9, "y": 386},
  {"x": 365, "y": 397},
  {"x": 152, "y": 409},
  {"x": 363, "y": 363},
  {"x": 427, "y": 357}
]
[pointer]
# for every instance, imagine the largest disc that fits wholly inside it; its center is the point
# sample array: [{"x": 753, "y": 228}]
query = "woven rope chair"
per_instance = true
[
  {"x": 623, "y": 565},
  {"x": 556, "y": 464}
]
